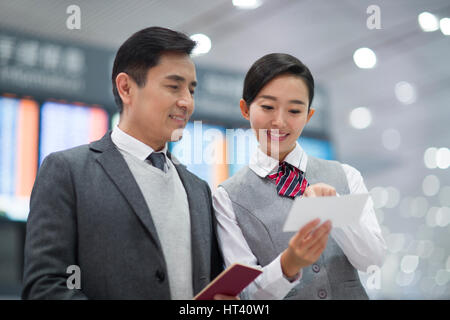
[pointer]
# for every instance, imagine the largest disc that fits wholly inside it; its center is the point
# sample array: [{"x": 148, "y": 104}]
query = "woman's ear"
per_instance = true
[
  {"x": 244, "y": 109},
  {"x": 310, "y": 114}
]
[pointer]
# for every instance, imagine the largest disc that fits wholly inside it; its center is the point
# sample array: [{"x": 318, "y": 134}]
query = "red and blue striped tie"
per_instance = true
[{"x": 289, "y": 180}]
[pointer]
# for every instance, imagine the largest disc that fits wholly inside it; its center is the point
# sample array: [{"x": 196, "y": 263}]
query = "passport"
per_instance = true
[{"x": 230, "y": 282}]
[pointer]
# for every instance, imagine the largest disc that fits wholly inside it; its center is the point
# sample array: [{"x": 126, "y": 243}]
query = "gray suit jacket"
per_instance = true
[{"x": 86, "y": 209}]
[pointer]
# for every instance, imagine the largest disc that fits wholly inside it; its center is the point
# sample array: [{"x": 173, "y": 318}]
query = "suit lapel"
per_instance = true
[{"x": 117, "y": 169}]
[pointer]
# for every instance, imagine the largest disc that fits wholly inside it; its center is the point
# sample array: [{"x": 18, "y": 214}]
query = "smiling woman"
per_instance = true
[{"x": 252, "y": 205}]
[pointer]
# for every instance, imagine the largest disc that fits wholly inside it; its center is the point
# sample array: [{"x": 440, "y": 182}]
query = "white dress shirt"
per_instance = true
[
  {"x": 126, "y": 143},
  {"x": 361, "y": 242}
]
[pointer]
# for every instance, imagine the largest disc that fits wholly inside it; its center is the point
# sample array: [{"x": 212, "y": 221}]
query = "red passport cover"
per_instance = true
[{"x": 230, "y": 282}]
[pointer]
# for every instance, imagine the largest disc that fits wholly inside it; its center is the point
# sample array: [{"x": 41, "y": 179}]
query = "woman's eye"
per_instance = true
[
  {"x": 295, "y": 111},
  {"x": 266, "y": 107},
  {"x": 173, "y": 87}
]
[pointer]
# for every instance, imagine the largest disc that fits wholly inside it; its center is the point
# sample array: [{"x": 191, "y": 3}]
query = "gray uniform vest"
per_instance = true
[{"x": 261, "y": 213}]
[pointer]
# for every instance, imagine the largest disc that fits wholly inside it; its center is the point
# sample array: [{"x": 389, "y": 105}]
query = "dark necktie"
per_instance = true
[
  {"x": 157, "y": 160},
  {"x": 289, "y": 180}
]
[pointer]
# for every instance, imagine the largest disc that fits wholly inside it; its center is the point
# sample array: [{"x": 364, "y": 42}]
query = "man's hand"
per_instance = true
[
  {"x": 305, "y": 247},
  {"x": 319, "y": 190}
]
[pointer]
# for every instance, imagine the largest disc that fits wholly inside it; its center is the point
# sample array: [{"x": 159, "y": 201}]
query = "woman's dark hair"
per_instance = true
[
  {"x": 270, "y": 66},
  {"x": 142, "y": 51}
]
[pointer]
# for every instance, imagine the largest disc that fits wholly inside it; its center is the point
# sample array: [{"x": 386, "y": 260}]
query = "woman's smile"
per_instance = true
[{"x": 276, "y": 135}]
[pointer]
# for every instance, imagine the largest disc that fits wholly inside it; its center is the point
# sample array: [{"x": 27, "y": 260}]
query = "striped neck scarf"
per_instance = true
[{"x": 289, "y": 180}]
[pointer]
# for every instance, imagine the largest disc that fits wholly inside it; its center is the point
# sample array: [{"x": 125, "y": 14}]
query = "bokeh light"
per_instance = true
[
  {"x": 365, "y": 58},
  {"x": 419, "y": 207},
  {"x": 428, "y": 22},
  {"x": 360, "y": 118},
  {"x": 393, "y": 197},
  {"x": 409, "y": 263},
  {"x": 429, "y": 158},
  {"x": 430, "y": 185},
  {"x": 444, "y": 25},
  {"x": 203, "y": 44},
  {"x": 405, "y": 92}
]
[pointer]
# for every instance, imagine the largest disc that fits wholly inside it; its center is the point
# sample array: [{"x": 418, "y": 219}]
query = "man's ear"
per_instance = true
[
  {"x": 244, "y": 109},
  {"x": 124, "y": 87},
  {"x": 310, "y": 114}
]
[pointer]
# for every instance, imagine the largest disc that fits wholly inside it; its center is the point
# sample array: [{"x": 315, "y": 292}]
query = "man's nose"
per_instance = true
[{"x": 186, "y": 101}]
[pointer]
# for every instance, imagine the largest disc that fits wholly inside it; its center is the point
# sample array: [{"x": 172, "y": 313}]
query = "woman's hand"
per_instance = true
[
  {"x": 308, "y": 244},
  {"x": 319, "y": 190},
  {"x": 305, "y": 247}
]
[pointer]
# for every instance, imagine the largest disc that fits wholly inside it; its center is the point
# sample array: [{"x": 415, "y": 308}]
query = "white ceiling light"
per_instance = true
[
  {"x": 405, "y": 92},
  {"x": 247, "y": 4},
  {"x": 203, "y": 44},
  {"x": 360, "y": 118},
  {"x": 428, "y": 22},
  {"x": 365, "y": 58},
  {"x": 444, "y": 24}
]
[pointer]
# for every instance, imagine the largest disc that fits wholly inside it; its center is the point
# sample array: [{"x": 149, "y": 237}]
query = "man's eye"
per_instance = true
[
  {"x": 295, "y": 111},
  {"x": 266, "y": 107},
  {"x": 173, "y": 87}
]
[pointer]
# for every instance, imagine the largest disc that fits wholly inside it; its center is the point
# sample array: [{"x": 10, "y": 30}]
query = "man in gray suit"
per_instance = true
[{"x": 121, "y": 213}]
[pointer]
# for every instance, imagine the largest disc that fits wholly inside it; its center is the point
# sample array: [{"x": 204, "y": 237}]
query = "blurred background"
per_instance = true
[{"x": 382, "y": 73}]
